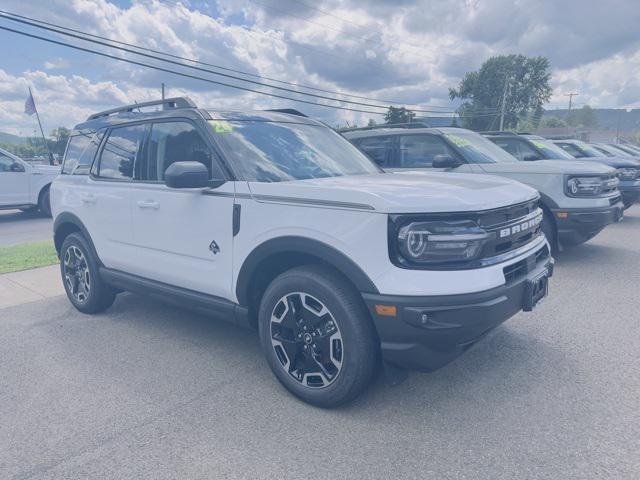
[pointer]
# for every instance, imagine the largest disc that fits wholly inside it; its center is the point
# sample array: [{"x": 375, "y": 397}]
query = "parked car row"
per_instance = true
[{"x": 273, "y": 220}]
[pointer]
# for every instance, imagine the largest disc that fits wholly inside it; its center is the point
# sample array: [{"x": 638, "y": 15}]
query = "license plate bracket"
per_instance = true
[{"x": 536, "y": 289}]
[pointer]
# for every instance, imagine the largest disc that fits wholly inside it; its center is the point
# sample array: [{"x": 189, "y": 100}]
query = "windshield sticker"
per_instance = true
[
  {"x": 539, "y": 144},
  {"x": 458, "y": 141},
  {"x": 221, "y": 126}
]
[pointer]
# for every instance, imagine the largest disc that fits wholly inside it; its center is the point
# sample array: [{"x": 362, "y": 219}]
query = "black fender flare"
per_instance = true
[
  {"x": 65, "y": 219},
  {"x": 301, "y": 245}
]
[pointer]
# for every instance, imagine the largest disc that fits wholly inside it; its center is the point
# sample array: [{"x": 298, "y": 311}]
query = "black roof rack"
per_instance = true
[
  {"x": 176, "y": 102},
  {"x": 387, "y": 125},
  {"x": 290, "y": 111}
]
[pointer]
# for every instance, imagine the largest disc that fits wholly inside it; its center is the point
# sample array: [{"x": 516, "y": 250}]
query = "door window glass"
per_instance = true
[
  {"x": 80, "y": 152},
  {"x": 120, "y": 151},
  {"x": 571, "y": 150},
  {"x": 376, "y": 148},
  {"x": 420, "y": 150},
  {"x": 5, "y": 163},
  {"x": 172, "y": 142},
  {"x": 517, "y": 148}
]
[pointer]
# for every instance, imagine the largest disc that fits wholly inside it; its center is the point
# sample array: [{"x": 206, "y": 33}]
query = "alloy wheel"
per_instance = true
[
  {"x": 306, "y": 340},
  {"x": 76, "y": 273}
]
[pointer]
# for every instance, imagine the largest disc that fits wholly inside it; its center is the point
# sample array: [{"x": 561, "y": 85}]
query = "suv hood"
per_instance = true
[
  {"x": 405, "y": 192},
  {"x": 615, "y": 162},
  {"x": 548, "y": 167},
  {"x": 47, "y": 169}
]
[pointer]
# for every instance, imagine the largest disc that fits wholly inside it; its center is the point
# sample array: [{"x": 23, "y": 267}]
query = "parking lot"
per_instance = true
[
  {"x": 19, "y": 227},
  {"x": 149, "y": 391}
]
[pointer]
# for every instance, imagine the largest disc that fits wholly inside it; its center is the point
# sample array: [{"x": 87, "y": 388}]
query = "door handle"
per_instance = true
[
  {"x": 148, "y": 204},
  {"x": 88, "y": 198}
]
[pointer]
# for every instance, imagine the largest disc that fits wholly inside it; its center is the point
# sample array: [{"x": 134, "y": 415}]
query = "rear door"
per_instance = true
[
  {"x": 14, "y": 181},
  {"x": 106, "y": 199},
  {"x": 182, "y": 237}
]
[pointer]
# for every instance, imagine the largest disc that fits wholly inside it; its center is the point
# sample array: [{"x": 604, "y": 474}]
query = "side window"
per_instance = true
[
  {"x": 518, "y": 148},
  {"x": 120, "y": 152},
  {"x": 571, "y": 150},
  {"x": 420, "y": 150},
  {"x": 171, "y": 142},
  {"x": 376, "y": 148},
  {"x": 5, "y": 163},
  {"x": 509, "y": 145},
  {"x": 81, "y": 150}
]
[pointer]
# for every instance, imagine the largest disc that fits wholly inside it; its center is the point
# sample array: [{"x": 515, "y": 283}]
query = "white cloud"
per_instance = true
[{"x": 408, "y": 50}]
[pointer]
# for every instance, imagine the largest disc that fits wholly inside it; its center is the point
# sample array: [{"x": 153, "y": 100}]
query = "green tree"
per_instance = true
[
  {"x": 398, "y": 115},
  {"x": 553, "y": 122},
  {"x": 58, "y": 140},
  {"x": 583, "y": 117},
  {"x": 522, "y": 81}
]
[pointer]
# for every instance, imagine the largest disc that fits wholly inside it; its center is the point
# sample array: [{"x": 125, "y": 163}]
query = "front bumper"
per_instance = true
[
  {"x": 428, "y": 332},
  {"x": 577, "y": 225},
  {"x": 630, "y": 190}
]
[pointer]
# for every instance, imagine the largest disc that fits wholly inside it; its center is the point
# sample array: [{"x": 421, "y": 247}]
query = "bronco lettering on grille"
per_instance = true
[{"x": 520, "y": 227}]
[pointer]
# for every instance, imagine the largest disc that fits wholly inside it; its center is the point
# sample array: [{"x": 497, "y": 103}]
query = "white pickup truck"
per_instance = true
[{"x": 25, "y": 186}]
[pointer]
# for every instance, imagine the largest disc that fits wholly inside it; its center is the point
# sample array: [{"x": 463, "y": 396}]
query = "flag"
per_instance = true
[{"x": 30, "y": 105}]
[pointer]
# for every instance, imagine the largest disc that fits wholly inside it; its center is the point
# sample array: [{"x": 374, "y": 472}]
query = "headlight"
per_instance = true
[
  {"x": 627, "y": 173},
  {"x": 590, "y": 186},
  {"x": 441, "y": 241}
]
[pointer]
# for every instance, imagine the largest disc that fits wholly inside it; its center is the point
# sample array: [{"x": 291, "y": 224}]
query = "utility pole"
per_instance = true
[
  {"x": 504, "y": 100},
  {"x": 570, "y": 95}
]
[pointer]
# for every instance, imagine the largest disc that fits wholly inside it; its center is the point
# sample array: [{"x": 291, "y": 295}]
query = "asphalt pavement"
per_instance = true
[
  {"x": 150, "y": 391},
  {"x": 20, "y": 227}
]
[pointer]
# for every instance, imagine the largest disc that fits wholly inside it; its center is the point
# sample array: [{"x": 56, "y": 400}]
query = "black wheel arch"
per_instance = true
[
  {"x": 67, "y": 223},
  {"x": 274, "y": 256}
]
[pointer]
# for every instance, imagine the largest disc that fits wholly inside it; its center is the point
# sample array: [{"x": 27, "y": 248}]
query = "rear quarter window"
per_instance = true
[{"x": 80, "y": 153}]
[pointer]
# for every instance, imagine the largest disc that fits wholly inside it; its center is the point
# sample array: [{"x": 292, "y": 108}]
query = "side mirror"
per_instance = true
[
  {"x": 445, "y": 161},
  {"x": 187, "y": 175},
  {"x": 530, "y": 157},
  {"x": 16, "y": 167}
]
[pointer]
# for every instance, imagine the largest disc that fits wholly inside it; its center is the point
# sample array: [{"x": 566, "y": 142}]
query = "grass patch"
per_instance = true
[{"x": 26, "y": 256}]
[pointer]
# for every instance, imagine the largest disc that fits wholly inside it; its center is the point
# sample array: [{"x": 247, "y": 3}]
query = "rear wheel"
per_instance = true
[
  {"x": 44, "y": 204},
  {"x": 79, "y": 268},
  {"x": 317, "y": 336}
]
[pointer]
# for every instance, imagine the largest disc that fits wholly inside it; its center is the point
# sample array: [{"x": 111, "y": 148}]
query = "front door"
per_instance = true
[
  {"x": 183, "y": 237},
  {"x": 14, "y": 181}
]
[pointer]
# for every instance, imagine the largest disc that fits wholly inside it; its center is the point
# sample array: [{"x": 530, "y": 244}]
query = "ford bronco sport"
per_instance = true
[
  {"x": 273, "y": 220},
  {"x": 578, "y": 199},
  {"x": 526, "y": 147}
]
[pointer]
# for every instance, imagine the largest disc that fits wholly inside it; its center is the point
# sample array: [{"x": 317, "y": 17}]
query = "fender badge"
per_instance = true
[{"x": 213, "y": 247}]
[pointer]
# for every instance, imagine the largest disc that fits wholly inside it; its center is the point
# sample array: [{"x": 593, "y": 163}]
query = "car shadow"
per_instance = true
[
  {"x": 504, "y": 360},
  {"x": 18, "y": 215}
]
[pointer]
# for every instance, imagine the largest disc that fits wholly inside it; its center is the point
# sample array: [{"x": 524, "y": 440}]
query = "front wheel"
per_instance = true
[
  {"x": 317, "y": 336},
  {"x": 549, "y": 229}
]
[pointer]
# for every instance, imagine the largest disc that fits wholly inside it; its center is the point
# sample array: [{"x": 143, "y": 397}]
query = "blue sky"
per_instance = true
[{"x": 409, "y": 51}]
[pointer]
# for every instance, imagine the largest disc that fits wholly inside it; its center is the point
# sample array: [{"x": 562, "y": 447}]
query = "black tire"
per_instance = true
[
  {"x": 44, "y": 203},
  {"x": 98, "y": 296},
  {"x": 358, "y": 342},
  {"x": 550, "y": 231}
]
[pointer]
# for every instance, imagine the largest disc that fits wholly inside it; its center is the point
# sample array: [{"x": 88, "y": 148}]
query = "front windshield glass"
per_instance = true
[
  {"x": 550, "y": 150},
  {"x": 477, "y": 149},
  {"x": 588, "y": 150},
  {"x": 265, "y": 151},
  {"x": 613, "y": 151}
]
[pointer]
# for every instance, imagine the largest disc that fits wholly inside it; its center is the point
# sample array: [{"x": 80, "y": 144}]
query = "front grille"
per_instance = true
[
  {"x": 513, "y": 226},
  {"x": 524, "y": 266},
  {"x": 610, "y": 184}
]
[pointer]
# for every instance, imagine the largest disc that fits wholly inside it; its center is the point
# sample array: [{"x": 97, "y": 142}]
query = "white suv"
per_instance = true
[
  {"x": 273, "y": 220},
  {"x": 25, "y": 186}
]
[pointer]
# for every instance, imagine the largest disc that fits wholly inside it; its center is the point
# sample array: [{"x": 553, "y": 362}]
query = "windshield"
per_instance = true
[
  {"x": 477, "y": 149},
  {"x": 611, "y": 151},
  {"x": 275, "y": 152},
  {"x": 550, "y": 150},
  {"x": 588, "y": 150}
]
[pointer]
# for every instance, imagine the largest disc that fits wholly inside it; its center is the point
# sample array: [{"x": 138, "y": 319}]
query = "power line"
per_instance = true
[
  {"x": 182, "y": 74},
  {"x": 65, "y": 31}
]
